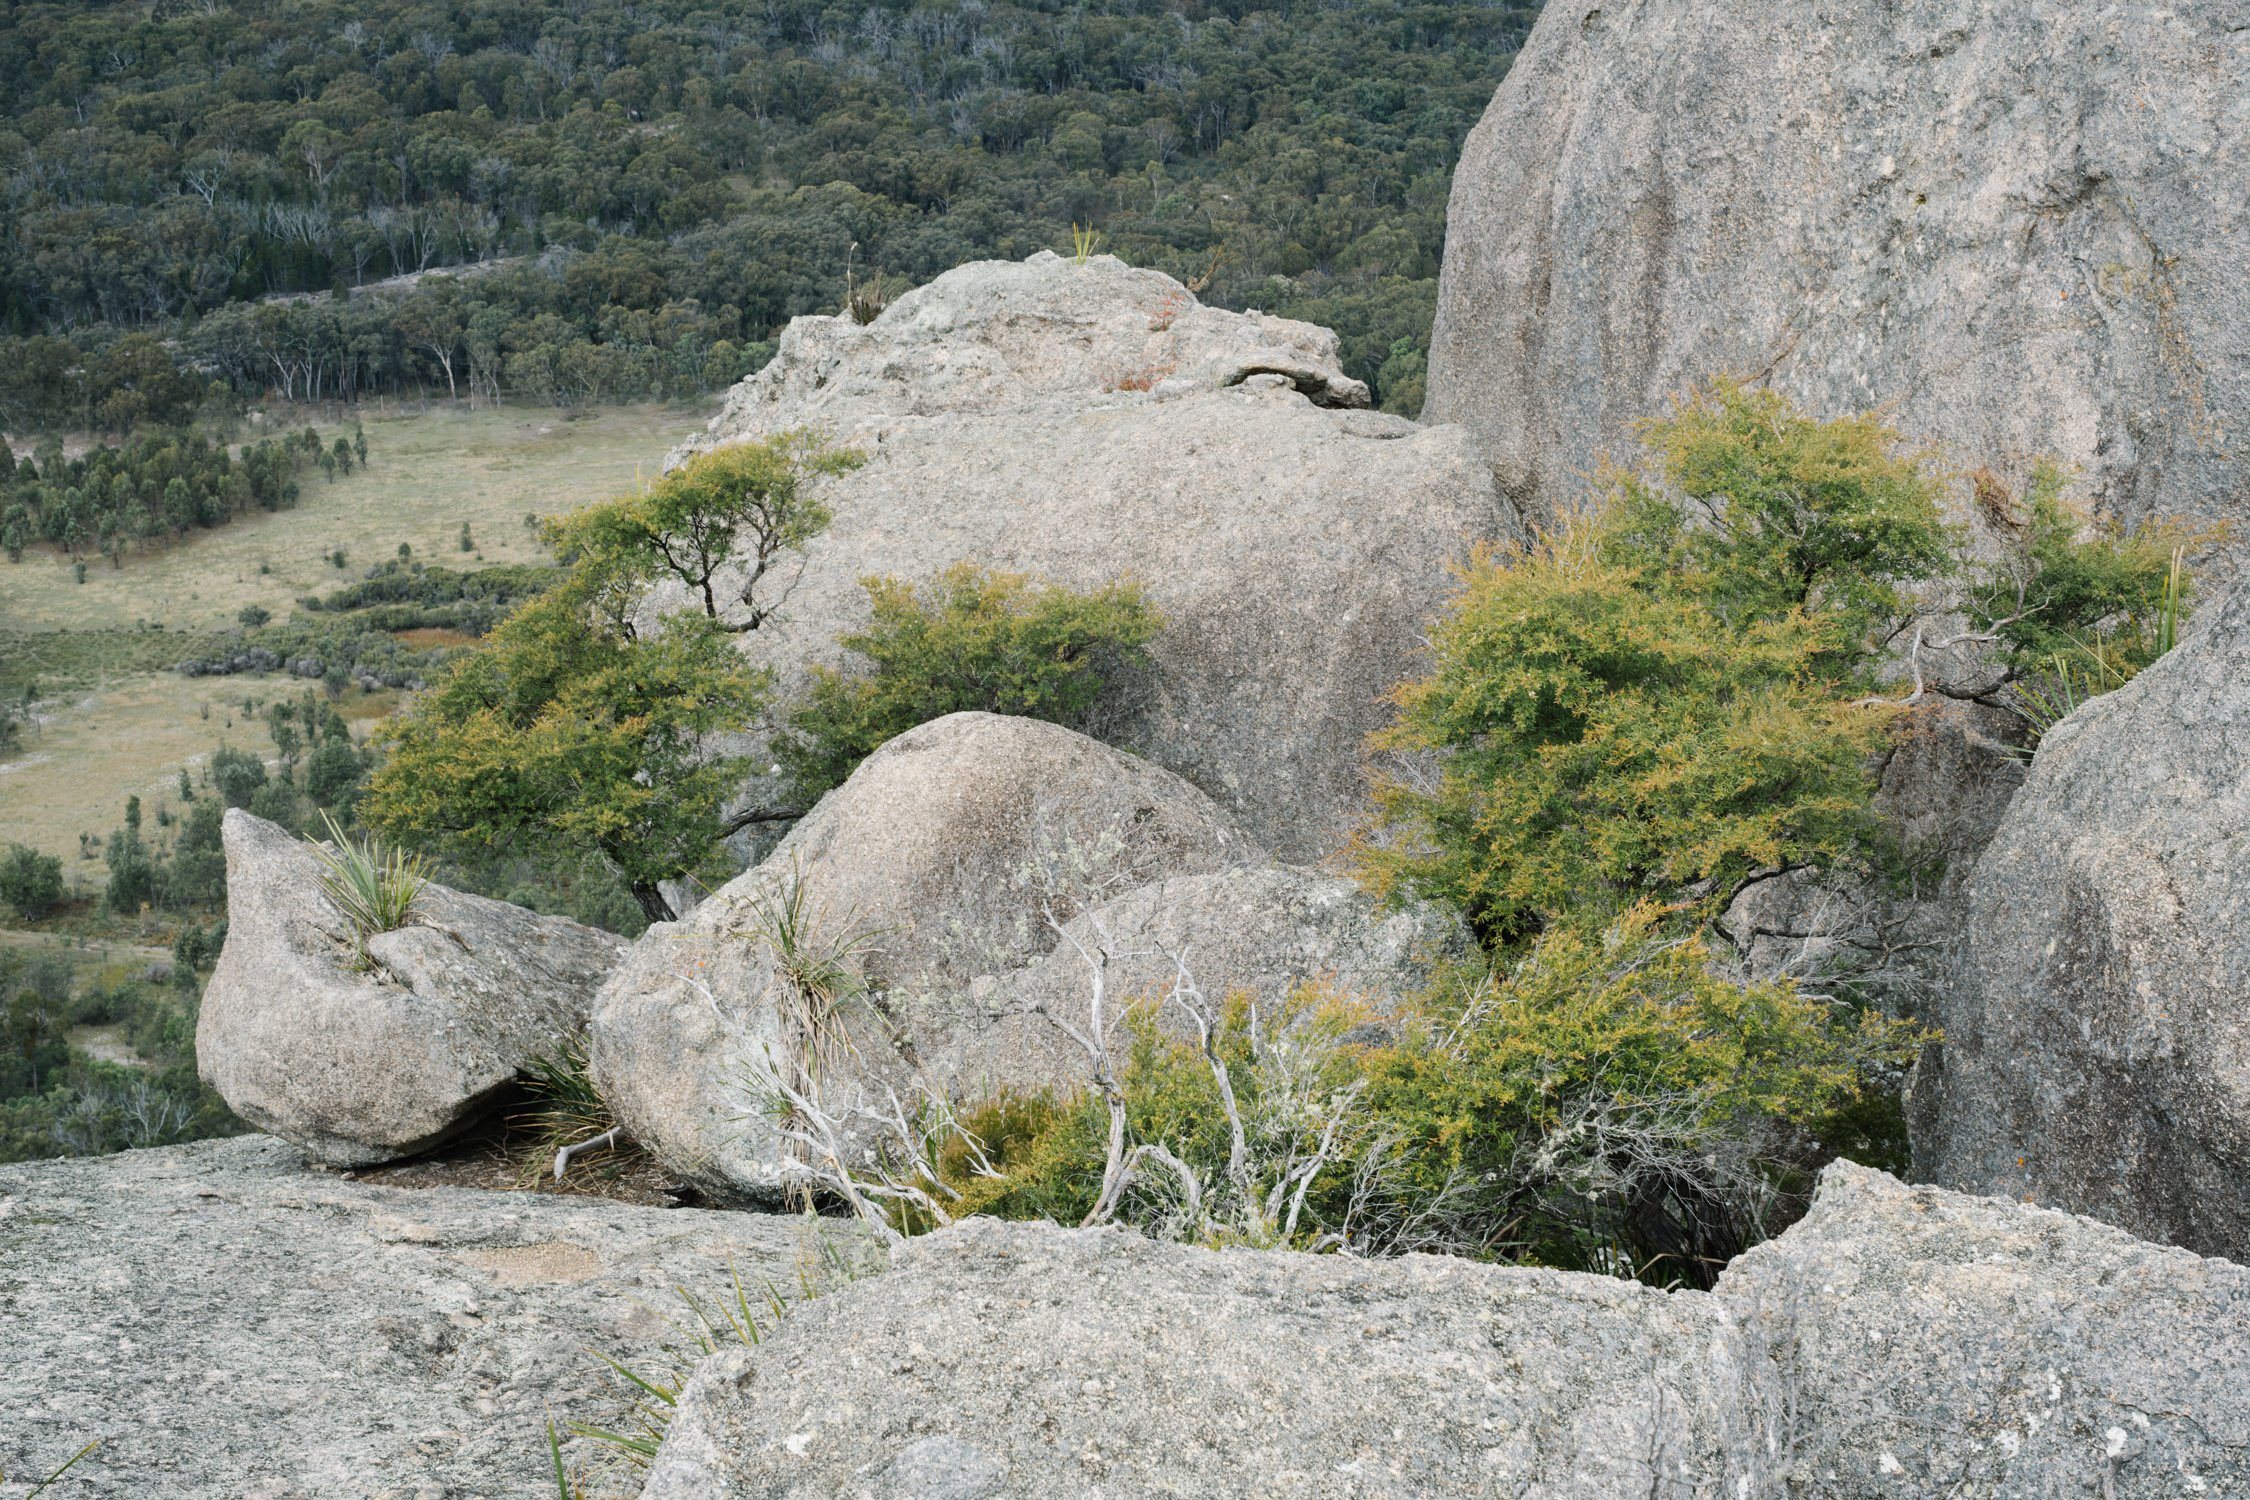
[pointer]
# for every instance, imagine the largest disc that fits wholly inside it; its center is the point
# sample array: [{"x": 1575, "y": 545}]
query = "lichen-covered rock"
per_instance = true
[
  {"x": 2097, "y": 1042},
  {"x": 361, "y": 1067},
  {"x": 1264, "y": 929},
  {"x": 1003, "y": 1360},
  {"x": 934, "y": 863},
  {"x": 232, "y": 1326},
  {"x": 2018, "y": 225},
  {"x": 1937, "y": 1344},
  {"x": 1085, "y": 422}
]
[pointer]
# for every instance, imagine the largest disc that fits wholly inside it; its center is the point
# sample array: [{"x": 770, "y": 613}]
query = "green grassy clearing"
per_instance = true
[
  {"x": 428, "y": 472},
  {"x": 116, "y": 720}
]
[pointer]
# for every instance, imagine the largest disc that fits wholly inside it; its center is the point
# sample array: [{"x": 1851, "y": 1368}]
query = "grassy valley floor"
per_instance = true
[{"x": 116, "y": 720}]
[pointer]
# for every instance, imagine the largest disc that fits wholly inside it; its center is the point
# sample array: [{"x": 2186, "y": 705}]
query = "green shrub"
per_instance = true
[
  {"x": 1613, "y": 724},
  {"x": 966, "y": 640},
  {"x": 31, "y": 882},
  {"x": 1609, "y": 1090},
  {"x": 237, "y": 774},
  {"x": 2081, "y": 584}
]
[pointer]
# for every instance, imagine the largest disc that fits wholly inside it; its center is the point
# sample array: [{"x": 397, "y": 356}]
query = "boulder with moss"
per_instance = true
[
  {"x": 1001, "y": 1360},
  {"x": 233, "y": 1326},
  {"x": 1263, "y": 931},
  {"x": 2017, "y": 225},
  {"x": 1933, "y": 1343},
  {"x": 367, "y": 1061},
  {"x": 2097, "y": 1041}
]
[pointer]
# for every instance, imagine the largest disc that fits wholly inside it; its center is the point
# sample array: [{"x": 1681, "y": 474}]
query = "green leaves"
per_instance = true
[
  {"x": 967, "y": 640},
  {"x": 1608, "y": 735},
  {"x": 575, "y": 729}
]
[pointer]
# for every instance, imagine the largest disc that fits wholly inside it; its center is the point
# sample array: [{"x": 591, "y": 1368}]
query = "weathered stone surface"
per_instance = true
[
  {"x": 235, "y": 1327},
  {"x": 940, "y": 852},
  {"x": 1024, "y": 1360},
  {"x": 366, "y": 1067},
  {"x": 1936, "y": 1344},
  {"x": 2097, "y": 1044},
  {"x": 1083, "y": 422},
  {"x": 1264, "y": 929},
  {"x": 998, "y": 332},
  {"x": 2024, "y": 224}
]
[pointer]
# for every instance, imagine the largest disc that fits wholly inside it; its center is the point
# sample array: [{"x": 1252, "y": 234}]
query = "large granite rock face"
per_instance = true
[
  {"x": 1023, "y": 1360},
  {"x": 1936, "y": 1344},
  {"x": 2019, "y": 224},
  {"x": 932, "y": 864},
  {"x": 362, "y": 1067},
  {"x": 2097, "y": 1043},
  {"x": 1079, "y": 422},
  {"x": 234, "y": 1327}
]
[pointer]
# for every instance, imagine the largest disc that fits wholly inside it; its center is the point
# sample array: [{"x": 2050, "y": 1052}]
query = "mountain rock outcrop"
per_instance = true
[
  {"x": 929, "y": 866},
  {"x": 232, "y": 1326},
  {"x": 2020, "y": 227},
  {"x": 1079, "y": 422},
  {"x": 1024, "y": 1360},
  {"x": 358, "y": 1067},
  {"x": 1939, "y": 1344},
  {"x": 2097, "y": 1044}
]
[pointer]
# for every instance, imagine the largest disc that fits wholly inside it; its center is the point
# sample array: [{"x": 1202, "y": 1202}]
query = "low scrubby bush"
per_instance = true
[{"x": 969, "y": 639}]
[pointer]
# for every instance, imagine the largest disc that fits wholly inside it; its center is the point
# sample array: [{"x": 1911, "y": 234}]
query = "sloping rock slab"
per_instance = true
[
  {"x": 1022, "y": 1360},
  {"x": 2018, "y": 224},
  {"x": 1938, "y": 1344},
  {"x": 359, "y": 1068},
  {"x": 1085, "y": 422},
  {"x": 235, "y": 1327},
  {"x": 2097, "y": 1043}
]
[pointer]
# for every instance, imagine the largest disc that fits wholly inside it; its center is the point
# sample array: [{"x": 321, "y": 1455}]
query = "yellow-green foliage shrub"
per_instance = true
[
  {"x": 1661, "y": 694},
  {"x": 968, "y": 639}
]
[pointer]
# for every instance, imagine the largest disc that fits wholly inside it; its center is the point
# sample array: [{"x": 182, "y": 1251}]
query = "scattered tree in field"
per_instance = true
[{"x": 30, "y": 882}]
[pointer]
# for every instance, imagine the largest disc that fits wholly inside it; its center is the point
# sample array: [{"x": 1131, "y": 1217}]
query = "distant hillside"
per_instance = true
[{"x": 679, "y": 177}]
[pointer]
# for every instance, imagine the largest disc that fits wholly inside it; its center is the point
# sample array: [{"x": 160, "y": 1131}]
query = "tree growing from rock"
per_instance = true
[{"x": 575, "y": 727}]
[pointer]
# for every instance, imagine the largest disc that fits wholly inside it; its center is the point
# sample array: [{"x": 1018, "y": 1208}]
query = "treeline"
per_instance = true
[
  {"x": 667, "y": 177},
  {"x": 113, "y": 498}
]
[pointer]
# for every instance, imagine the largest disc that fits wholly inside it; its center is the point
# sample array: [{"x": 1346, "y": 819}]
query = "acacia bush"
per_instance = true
[
  {"x": 1604, "y": 1102},
  {"x": 967, "y": 640}
]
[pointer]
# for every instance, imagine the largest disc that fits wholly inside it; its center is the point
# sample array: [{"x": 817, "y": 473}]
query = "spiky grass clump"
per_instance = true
[
  {"x": 816, "y": 966},
  {"x": 566, "y": 1114},
  {"x": 375, "y": 888}
]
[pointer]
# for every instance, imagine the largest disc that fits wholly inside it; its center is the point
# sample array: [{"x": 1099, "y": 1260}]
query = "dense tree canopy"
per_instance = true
[{"x": 647, "y": 191}]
